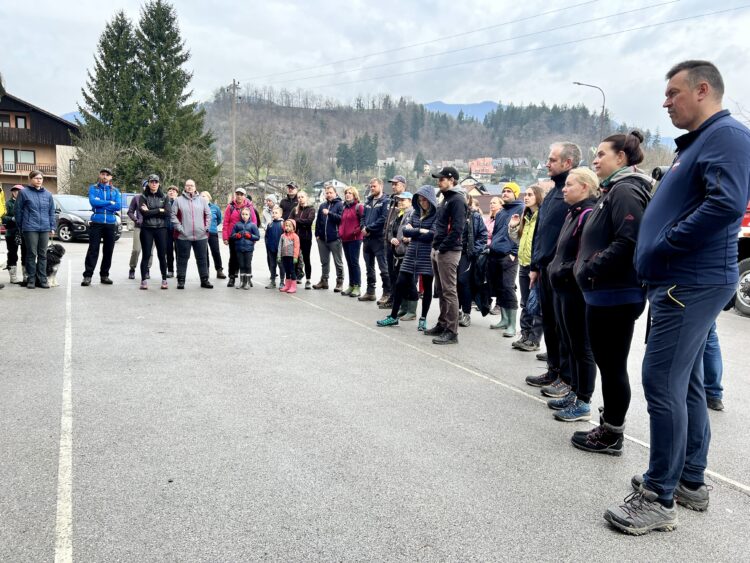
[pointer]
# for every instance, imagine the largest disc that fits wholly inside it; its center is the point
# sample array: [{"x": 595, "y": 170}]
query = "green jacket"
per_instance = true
[{"x": 524, "y": 244}]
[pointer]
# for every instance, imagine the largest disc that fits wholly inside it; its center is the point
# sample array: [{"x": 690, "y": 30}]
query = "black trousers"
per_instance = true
[
  {"x": 610, "y": 334},
  {"x": 99, "y": 232},
  {"x": 272, "y": 263},
  {"x": 502, "y": 272},
  {"x": 149, "y": 238},
  {"x": 234, "y": 265},
  {"x": 245, "y": 260},
  {"x": 170, "y": 249},
  {"x": 373, "y": 251},
  {"x": 571, "y": 309},
  {"x": 10, "y": 242},
  {"x": 304, "y": 265},
  {"x": 557, "y": 350},
  {"x": 200, "y": 250},
  {"x": 215, "y": 248},
  {"x": 464, "y": 283}
]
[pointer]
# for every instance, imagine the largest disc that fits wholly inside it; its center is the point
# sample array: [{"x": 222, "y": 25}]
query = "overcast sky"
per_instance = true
[{"x": 44, "y": 61}]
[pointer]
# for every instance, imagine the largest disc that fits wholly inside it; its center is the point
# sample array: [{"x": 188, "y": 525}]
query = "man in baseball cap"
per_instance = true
[
  {"x": 106, "y": 206},
  {"x": 447, "y": 172},
  {"x": 398, "y": 187},
  {"x": 289, "y": 202}
]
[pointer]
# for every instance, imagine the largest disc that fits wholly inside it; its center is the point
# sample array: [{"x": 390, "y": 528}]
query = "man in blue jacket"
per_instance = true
[
  {"x": 373, "y": 249},
  {"x": 329, "y": 242},
  {"x": 106, "y": 203},
  {"x": 686, "y": 256}
]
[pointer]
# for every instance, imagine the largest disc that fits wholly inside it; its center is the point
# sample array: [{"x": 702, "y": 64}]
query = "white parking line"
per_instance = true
[
  {"x": 64, "y": 520},
  {"x": 384, "y": 334}
]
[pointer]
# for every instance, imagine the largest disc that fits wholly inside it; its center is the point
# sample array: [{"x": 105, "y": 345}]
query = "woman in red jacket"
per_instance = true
[{"x": 350, "y": 231}]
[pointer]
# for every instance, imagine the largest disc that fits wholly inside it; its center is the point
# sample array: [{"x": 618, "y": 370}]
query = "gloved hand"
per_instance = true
[
  {"x": 19, "y": 238},
  {"x": 278, "y": 260},
  {"x": 238, "y": 236},
  {"x": 295, "y": 260},
  {"x": 248, "y": 236}
]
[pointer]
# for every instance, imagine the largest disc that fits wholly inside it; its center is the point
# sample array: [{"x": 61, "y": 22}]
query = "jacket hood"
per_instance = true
[
  {"x": 515, "y": 206},
  {"x": 629, "y": 172},
  {"x": 426, "y": 192}
]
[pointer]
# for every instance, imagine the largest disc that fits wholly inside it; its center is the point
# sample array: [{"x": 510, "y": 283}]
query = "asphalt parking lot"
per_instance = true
[{"x": 226, "y": 425}]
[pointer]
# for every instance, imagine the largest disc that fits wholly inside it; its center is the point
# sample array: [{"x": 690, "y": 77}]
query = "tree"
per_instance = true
[
  {"x": 396, "y": 130},
  {"x": 302, "y": 168},
  {"x": 390, "y": 171},
  {"x": 345, "y": 159},
  {"x": 656, "y": 140},
  {"x": 461, "y": 116},
  {"x": 260, "y": 150},
  {"x": 419, "y": 163}
]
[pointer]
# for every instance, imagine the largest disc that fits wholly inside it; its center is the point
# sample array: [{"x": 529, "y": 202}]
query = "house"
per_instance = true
[
  {"x": 482, "y": 166},
  {"x": 34, "y": 139}
]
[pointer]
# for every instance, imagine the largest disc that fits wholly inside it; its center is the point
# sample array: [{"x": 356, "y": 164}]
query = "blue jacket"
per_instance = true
[
  {"x": 501, "y": 242},
  {"x": 101, "y": 198},
  {"x": 549, "y": 222},
  {"x": 244, "y": 244},
  {"x": 417, "y": 258},
  {"x": 376, "y": 212},
  {"x": 35, "y": 211},
  {"x": 216, "y": 218},
  {"x": 477, "y": 234},
  {"x": 327, "y": 226},
  {"x": 274, "y": 230},
  {"x": 688, "y": 233}
]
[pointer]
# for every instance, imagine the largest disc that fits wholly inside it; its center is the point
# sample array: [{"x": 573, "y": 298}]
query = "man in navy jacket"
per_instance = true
[
  {"x": 373, "y": 249},
  {"x": 686, "y": 256},
  {"x": 329, "y": 242},
  {"x": 106, "y": 203}
]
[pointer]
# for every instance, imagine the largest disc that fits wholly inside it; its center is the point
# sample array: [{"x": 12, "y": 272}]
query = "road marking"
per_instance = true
[
  {"x": 64, "y": 521},
  {"x": 383, "y": 333}
]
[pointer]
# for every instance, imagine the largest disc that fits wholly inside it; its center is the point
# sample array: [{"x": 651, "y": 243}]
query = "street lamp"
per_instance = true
[{"x": 604, "y": 101}]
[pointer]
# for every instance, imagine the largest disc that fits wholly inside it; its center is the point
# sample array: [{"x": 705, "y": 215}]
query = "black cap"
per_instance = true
[
  {"x": 153, "y": 178},
  {"x": 447, "y": 172},
  {"x": 107, "y": 170}
]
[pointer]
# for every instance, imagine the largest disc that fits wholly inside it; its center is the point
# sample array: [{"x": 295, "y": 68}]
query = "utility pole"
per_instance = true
[
  {"x": 604, "y": 101},
  {"x": 234, "y": 131}
]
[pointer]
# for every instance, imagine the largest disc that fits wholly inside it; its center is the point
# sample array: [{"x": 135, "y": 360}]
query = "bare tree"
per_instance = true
[{"x": 260, "y": 148}]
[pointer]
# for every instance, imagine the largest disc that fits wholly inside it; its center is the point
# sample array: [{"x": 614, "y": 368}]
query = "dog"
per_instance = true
[{"x": 55, "y": 252}]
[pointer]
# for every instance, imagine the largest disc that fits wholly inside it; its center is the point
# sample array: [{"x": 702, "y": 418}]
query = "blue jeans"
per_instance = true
[
  {"x": 713, "y": 366},
  {"x": 672, "y": 374},
  {"x": 351, "y": 253}
]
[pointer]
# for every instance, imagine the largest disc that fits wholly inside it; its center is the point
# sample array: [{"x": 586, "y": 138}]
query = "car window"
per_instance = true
[{"x": 72, "y": 203}]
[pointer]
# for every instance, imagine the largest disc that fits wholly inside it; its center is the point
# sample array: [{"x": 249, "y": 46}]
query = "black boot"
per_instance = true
[
  {"x": 230, "y": 283},
  {"x": 206, "y": 284}
]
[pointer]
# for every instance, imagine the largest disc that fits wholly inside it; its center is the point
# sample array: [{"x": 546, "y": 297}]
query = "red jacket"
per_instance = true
[{"x": 352, "y": 222}]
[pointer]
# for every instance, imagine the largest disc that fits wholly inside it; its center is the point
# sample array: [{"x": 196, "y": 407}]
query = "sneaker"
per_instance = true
[
  {"x": 385, "y": 298},
  {"x": 528, "y": 346},
  {"x": 562, "y": 403},
  {"x": 542, "y": 356},
  {"x": 86, "y": 282},
  {"x": 422, "y": 324},
  {"x": 386, "y": 305},
  {"x": 347, "y": 292},
  {"x": 518, "y": 342},
  {"x": 599, "y": 440},
  {"x": 641, "y": 513},
  {"x": 388, "y": 321},
  {"x": 180, "y": 284},
  {"x": 308, "y": 284},
  {"x": 170, "y": 274},
  {"x": 131, "y": 275},
  {"x": 144, "y": 284},
  {"x": 577, "y": 410},
  {"x": 207, "y": 284},
  {"x": 557, "y": 389},
  {"x": 447, "y": 337},
  {"x": 164, "y": 284},
  {"x": 436, "y": 330},
  {"x": 541, "y": 380},
  {"x": 271, "y": 285},
  {"x": 713, "y": 403},
  {"x": 693, "y": 499},
  {"x": 464, "y": 320}
]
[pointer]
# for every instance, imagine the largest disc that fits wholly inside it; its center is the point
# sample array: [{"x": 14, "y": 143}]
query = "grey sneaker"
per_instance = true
[
  {"x": 641, "y": 513},
  {"x": 694, "y": 500},
  {"x": 464, "y": 320},
  {"x": 541, "y": 380},
  {"x": 563, "y": 402},
  {"x": 527, "y": 346},
  {"x": 557, "y": 389}
]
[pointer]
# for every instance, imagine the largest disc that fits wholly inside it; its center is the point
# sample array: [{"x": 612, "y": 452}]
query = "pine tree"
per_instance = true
[
  {"x": 419, "y": 163},
  {"x": 396, "y": 130}
]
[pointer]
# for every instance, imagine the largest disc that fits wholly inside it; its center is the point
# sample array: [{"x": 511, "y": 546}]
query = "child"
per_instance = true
[
  {"x": 245, "y": 234},
  {"x": 288, "y": 255},
  {"x": 274, "y": 230}
]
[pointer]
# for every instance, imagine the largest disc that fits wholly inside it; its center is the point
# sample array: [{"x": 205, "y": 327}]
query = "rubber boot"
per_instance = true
[
  {"x": 241, "y": 283},
  {"x": 247, "y": 282},
  {"x": 285, "y": 287},
  {"x": 292, "y": 286},
  {"x": 510, "y": 314},
  {"x": 355, "y": 291},
  {"x": 502, "y": 324},
  {"x": 13, "y": 276},
  {"x": 411, "y": 311}
]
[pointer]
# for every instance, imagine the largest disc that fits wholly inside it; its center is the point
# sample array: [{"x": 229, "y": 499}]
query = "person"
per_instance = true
[
  {"x": 245, "y": 233},
  {"x": 398, "y": 187},
  {"x": 288, "y": 255},
  {"x": 376, "y": 211},
  {"x": 213, "y": 234},
  {"x": 521, "y": 230},
  {"x": 350, "y": 230},
  {"x": 473, "y": 243},
  {"x": 274, "y": 230},
  {"x": 686, "y": 255},
  {"x": 173, "y": 193},
  {"x": 190, "y": 218},
  {"x": 154, "y": 208},
  {"x": 604, "y": 271},
  {"x": 290, "y": 201},
  {"x": 13, "y": 238},
  {"x": 231, "y": 216},
  {"x": 329, "y": 241},
  {"x": 580, "y": 194},
  {"x": 35, "y": 219},
  {"x": 419, "y": 228},
  {"x": 134, "y": 213},
  {"x": 399, "y": 243},
  {"x": 304, "y": 217},
  {"x": 106, "y": 204},
  {"x": 489, "y": 221},
  {"x": 563, "y": 157},
  {"x": 450, "y": 221},
  {"x": 503, "y": 260},
  {"x": 271, "y": 202}
]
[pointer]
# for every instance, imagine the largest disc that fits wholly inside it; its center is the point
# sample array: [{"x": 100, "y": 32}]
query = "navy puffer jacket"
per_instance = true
[
  {"x": 417, "y": 259},
  {"x": 35, "y": 211}
]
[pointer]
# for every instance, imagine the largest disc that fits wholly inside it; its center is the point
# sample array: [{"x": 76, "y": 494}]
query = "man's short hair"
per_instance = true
[
  {"x": 378, "y": 181},
  {"x": 700, "y": 71},
  {"x": 570, "y": 151}
]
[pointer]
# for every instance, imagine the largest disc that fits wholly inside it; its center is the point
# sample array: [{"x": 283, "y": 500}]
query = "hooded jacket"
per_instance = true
[
  {"x": 106, "y": 203},
  {"x": 157, "y": 206},
  {"x": 561, "y": 267},
  {"x": 248, "y": 235},
  {"x": 475, "y": 233},
  {"x": 604, "y": 269},
  {"x": 134, "y": 210},
  {"x": 688, "y": 234},
  {"x": 191, "y": 217},
  {"x": 352, "y": 221},
  {"x": 232, "y": 215},
  {"x": 289, "y": 243},
  {"x": 327, "y": 226},
  {"x": 216, "y": 218},
  {"x": 551, "y": 217},
  {"x": 450, "y": 221},
  {"x": 528, "y": 218},
  {"x": 35, "y": 210},
  {"x": 417, "y": 258},
  {"x": 501, "y": 241},
  {"x": 396, "y": 230}
]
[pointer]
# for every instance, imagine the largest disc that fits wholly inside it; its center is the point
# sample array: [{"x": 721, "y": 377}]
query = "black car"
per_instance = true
[{"x": 73, "y": 215}]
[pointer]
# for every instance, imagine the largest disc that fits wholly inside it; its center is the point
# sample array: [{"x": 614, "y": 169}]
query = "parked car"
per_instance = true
[
  {"x": 126, "y": 199},
  {"x": 742, "y": 297},
  {"x": 73, "y": 215}
]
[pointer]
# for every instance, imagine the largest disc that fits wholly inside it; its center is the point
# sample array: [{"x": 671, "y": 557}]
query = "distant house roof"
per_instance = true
[{"x": 40, "y": 110}]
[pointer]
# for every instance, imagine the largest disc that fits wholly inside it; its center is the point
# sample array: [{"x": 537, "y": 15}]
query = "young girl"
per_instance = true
[
  {"x": 245, "y": 234},
  {"x": 288, "y": 255}
]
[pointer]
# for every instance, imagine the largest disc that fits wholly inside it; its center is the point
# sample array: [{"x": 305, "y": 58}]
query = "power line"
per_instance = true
[
  {"x": 404, "y": 47},
  {"x": 452, "y": 51},
  {"x": 534, "y": 49}
]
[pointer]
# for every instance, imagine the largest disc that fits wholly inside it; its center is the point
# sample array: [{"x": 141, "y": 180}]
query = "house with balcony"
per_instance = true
[{"x": 34, "y": 139}]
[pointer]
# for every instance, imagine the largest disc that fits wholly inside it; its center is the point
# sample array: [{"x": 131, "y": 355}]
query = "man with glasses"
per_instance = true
[{"x": 106, "y": 204}]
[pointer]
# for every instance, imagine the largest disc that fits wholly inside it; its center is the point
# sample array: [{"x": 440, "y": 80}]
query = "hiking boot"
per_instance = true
[
  {"x": 447, "y": 337},
  {"x": 386, "y": 305},
  {"x": 206, "y": 284},
  {"x": 422, "y": 324},
  {"x": 464, "y": 320},
  {"x": 577, "y": 410},
  {"x": 308, "y": 285},
  {"x": 144, "y": 284},
  {"x": 541, "y": 380},
  {"x": 563, "y": 402},
  {"x": 347, "y": 292},
  {"x": 164, "y": 284},
  {"x": 322, "y": 284},
  {"x": 131, "y": 275},
  {"x": 523, "y": 338},
  {"x": 558, "y": 388},
  {"x": 271, "y": 285},
  {"x": 388, "y": 321},
  {"x": 86, "y": 282},
  {"x": 599, "y": 440},
  {"x": 230, "y": 283},
  {"x": 528, "y": 346},
  {"x": 339, "y": 286},
  {"x": 714, "y": 403},
  {"x": 542, "y": 356},
  {"x": 220, "y": 274},
  {"x": 355, "y": 291},
  {"x": 436, "y": 330},
  {"x": 693, "y": 499},
  {"x": 367, "y": 297},
  {"x": 641, "y": 513},
  {"x": 385, "y": 298},
  {"x": 105, "y": 280},
  {"x": 180, "y": 284}
]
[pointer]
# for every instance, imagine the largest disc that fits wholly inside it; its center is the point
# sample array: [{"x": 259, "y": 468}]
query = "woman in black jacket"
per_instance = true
[
  {"x": 605, "y": 273},
  {"x": 155, "y": 212},
  {"x": 579, "y": 194}
]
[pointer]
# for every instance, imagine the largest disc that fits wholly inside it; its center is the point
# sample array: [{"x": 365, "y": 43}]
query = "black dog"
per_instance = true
[{"x": 55, "y": 252}]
